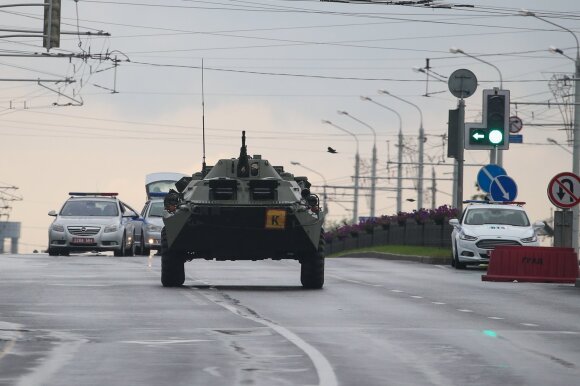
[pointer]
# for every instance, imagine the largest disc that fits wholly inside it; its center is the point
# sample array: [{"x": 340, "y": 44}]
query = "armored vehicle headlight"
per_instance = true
[{"x": 111, "y": 228}]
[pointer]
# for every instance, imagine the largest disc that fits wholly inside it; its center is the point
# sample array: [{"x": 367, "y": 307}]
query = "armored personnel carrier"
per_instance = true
[{"x": 243, "y": 209}]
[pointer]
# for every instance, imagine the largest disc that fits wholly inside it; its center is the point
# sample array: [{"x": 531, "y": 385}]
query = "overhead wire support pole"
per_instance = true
[
  {"x": 399, "y": 152},
  {"x": 421, "y": 148},
  {"x": 356, "y": 168},
  {"x": 374, "y": 160}
]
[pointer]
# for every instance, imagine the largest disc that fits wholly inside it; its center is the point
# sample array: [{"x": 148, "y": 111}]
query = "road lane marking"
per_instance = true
[
  {"x": 162, "y": 342},
  {"x": 213, "y": 371},
  {"x": 463, "y": 310},
  {"x": 495, "y": 317},
  {"x": 438, "y": 303},
  {"x": 529, "y": 324},
  {"x": 326, "y": 375},
  {"x": 397, "y": 291},
  {"x": 416, "y": 297},
  {"x": 62, "y": 353}
]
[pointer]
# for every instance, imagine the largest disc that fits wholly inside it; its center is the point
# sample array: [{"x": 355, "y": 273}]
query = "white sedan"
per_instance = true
[{"x": 482, "y": 227}]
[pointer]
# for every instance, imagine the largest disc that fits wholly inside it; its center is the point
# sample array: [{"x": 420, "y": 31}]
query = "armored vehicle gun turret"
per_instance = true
[{"x": 243, "y": 209}]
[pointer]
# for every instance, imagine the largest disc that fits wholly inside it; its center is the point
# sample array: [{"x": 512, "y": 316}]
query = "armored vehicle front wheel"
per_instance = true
[
  {"x": 172, "y": 265},
  {"x": 312, "y": 268}
]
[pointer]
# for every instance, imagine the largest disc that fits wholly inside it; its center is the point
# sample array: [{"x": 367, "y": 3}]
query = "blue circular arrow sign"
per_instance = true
[
  {"x": 503, "y": 188},
  {"x": 486, "y": 175}
]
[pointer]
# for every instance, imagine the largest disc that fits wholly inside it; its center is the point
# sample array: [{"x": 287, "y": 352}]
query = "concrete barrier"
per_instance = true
[{"x": 533, "y": 264}]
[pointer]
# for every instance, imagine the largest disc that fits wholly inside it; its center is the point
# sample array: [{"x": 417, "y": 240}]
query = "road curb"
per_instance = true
[{"x": 392, "y": 256}]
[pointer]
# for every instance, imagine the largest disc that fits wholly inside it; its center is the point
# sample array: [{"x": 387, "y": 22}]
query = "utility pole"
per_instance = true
[
  {"x": 433, "y": 188},
  {"x": 356, "y": 169},
  {"x": 421, "y": 148}
]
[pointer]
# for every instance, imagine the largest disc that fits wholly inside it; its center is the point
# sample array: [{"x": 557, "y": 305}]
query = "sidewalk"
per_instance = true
[{"x": 391, "y": 256}]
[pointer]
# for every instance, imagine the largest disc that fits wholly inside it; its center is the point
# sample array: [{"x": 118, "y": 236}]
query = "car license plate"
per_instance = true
[{"x": 83, "y": 240}]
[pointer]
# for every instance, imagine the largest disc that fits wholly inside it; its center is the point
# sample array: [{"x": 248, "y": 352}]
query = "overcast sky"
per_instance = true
[{"x": 275, "y": 69}]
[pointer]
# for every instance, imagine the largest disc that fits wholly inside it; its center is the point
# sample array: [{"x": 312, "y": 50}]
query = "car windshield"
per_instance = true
[
  {"x": 89, "y": 208},
  {"x": 501, "y": 216},
  {"x": 156, "y": 209}
]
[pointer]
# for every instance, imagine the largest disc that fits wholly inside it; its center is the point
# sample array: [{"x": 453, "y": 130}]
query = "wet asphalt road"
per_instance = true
[{"x": 101, "y": 320}]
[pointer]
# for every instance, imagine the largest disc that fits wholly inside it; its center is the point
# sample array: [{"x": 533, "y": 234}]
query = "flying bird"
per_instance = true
[{"x": 331, "y": 150}]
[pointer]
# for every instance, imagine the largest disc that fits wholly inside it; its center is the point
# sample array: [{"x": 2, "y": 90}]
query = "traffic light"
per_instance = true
[
  {"x": 496, "y": 119},
  {"x": 494, "y": 131},
  {"x": 51, "y": 30}
]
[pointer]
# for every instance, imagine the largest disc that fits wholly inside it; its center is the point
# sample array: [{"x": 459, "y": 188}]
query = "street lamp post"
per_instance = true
[
  {"x": 421, "y": 148},
  {"x": 576, "y": 132},
  {"x": 399, "y": 154},
  {"x": 356, "y": 170},
  {"x": 374, "y": 161},
  {"x": 495, "y": 156},
  {"x": 324, "y": 205}
]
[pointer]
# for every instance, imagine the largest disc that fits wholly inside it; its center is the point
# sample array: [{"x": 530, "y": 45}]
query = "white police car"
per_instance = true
[
  {"x": 484, "y": 226},
  {"x": 92, "y": 222}
]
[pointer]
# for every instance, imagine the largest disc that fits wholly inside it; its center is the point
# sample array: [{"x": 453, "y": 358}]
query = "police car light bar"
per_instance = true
[{"x": 93, "y": 194}]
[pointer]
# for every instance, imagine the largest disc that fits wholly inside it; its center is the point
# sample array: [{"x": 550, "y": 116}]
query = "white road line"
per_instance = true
[
  {"x": 326, "y": 375},
  {"x": 463, "y": 310},
  {"x": 416, "y": 297},
  {"x": 199, "y": 301},
  {"x": 165, "y": 342},
  {"x": 495, "y": 317},
  {"x": 529, "y": 324},
  {"x": 438, "y": 303},
  {"x": 398, "y": 291}
]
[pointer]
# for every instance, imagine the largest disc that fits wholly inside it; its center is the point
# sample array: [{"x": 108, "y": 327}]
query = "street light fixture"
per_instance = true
[
  {"x": 576, "y": 131},
  {"x": 324, "y": 205},
  {"x": 374, "y": 160},
  {"x": 356, "y": 169},
  {"x": 421, "y": 147},
  {"x": 399, "y": 154}
]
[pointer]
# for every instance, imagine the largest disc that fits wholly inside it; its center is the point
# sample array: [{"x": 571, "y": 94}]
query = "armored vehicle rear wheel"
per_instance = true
[
  {"x": 172, "y": 265},
  {"x": 312, "y": 268}
]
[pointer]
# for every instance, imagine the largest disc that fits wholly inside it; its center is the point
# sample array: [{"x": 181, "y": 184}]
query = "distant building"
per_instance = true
[{"x": 9, "y": 230}]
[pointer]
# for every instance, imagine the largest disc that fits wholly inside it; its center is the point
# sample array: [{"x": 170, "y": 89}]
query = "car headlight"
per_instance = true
[
  {"x": 467, "y": 237},
  {"x": 110, "y": 228},
  {"x": 57, "y": 228},
  {"x": 532, "y": 239},
  {"x": 153, "y": 228}
]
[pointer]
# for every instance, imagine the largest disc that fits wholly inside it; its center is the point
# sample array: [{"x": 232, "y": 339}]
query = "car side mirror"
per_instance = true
[
  {"x": 538, "y": 225},
  {"x": 454, "y": 222},
  {"x": 52, "y": 213}
]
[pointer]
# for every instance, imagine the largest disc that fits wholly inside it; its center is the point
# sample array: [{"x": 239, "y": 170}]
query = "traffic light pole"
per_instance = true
[{"x": 459, "y": 155}]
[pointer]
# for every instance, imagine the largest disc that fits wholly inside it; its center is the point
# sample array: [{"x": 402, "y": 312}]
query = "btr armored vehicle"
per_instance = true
[{"x": 242, "y": 209}]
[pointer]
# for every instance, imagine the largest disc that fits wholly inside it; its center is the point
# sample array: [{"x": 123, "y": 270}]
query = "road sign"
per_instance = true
[
  {"x": 516, "y": 138},
  {"x": 462, "y": 83},
  {"x": 503, "y": 188},
  {"x": 486, "y": 175},
  {"x": 516, "y": 124},
  {"x": 564, "y": 190}
]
